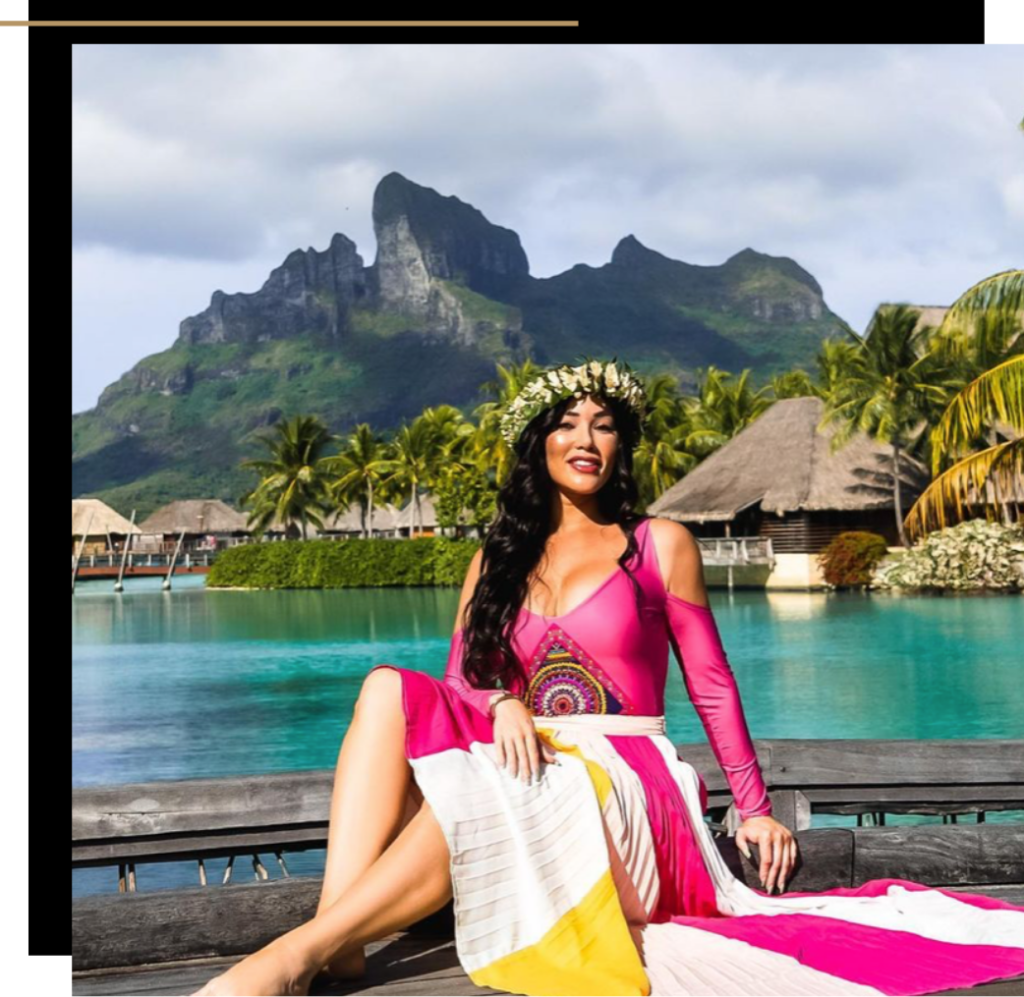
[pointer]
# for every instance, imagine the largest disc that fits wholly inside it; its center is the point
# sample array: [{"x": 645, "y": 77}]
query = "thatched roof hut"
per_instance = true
[
  {"x": 350, "y": 524},
  {"x": 196, "y": 517},
  {"x": 930, "y": 314},
  {"x": 778, "y": 479},
  {"x": 103, "y": 519},
  {"x": 104, "y": 524}
]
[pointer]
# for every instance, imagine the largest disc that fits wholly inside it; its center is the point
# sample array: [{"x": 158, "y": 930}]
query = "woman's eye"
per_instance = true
[{"x": 569, "y": 424}]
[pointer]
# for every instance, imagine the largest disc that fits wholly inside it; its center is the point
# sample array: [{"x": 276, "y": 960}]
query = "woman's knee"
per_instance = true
[{"x": 382, "y": 689}]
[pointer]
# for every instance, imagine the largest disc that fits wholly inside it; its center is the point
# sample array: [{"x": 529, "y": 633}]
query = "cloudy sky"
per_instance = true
[{"x": 891, "y": 173}]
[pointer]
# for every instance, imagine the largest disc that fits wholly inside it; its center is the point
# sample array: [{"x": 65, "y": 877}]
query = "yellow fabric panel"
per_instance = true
[
  {"x": 601, "y": 780},
  {"x": 588, "y": 951}
]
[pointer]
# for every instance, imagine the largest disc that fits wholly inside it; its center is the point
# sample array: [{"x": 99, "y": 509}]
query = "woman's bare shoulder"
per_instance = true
[{"x": 682, "y": 569}]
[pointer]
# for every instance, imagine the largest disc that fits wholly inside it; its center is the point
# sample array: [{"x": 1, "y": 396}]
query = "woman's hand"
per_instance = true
[
  {"x": 777, "y": 847},
  {"x": 517, "y": 743}
]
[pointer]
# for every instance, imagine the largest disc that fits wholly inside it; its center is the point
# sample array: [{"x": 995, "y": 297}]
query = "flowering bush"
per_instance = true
[
  {"x": 851, "y": 557},
  {"x": 970, "y": 555}
]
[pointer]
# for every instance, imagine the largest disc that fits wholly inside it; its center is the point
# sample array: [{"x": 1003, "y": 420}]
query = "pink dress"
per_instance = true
[{"x": 603, "y": 877}]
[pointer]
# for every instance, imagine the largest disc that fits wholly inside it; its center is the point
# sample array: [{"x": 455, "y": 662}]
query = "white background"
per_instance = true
[
  {"x": 50, "y": 975},
  {"x": 1004, "y": 21}
]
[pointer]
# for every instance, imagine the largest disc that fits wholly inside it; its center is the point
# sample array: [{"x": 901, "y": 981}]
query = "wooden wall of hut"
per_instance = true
[
  {"x": 802, "y": 532},
  {"x": 810, "y": 532}
]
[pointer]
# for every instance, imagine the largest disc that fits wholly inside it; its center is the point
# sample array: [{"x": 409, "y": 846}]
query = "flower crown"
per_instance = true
[{"x": 612, "y": 379}]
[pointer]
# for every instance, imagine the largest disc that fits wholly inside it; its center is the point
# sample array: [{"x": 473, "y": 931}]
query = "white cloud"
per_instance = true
[{"x": 889, "y": 172}]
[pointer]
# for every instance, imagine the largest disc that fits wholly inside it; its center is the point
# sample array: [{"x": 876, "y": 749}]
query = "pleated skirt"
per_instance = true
[{"x": 603, "y": 878}]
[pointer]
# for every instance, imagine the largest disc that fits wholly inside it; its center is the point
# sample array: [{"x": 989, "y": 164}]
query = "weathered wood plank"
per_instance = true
[
  {"x": 800, "y": 762},
  {"x": 200, "y": 805},
  {"x": 205, "y": 922},
  {"x": 172, "y": 820},
  {"x": 939, "y": 853},
  {"x": 398, "y": 965},
  {"x": 211, "y": 845},
  {"x": 124, "y": 929},
  {"x": 1012, "y": 893}
]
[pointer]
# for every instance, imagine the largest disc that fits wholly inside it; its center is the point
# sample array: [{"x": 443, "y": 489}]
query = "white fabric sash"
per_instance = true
[{"x": 606, "y": 723}]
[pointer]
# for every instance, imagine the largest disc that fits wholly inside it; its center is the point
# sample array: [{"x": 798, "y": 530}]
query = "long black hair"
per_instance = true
[{"x": 515, "y": 541}]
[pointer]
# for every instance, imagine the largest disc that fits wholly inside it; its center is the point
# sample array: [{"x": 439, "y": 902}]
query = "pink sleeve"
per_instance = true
[
  {"x": 453, "y": 676},
  {"x": 716, "y": 697}
]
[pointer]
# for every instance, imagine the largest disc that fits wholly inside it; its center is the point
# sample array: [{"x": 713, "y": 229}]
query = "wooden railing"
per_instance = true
[
  {"x": 734, "y": 551},
  {"x": 268, "y": 815}
]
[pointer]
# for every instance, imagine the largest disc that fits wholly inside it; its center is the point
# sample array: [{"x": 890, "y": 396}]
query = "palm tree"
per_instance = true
[
  {"x": 724, "y": 408},
  {"x": 361, "y": 464},
  {"x": 835, "y": 357},
  {"x": 793, "y": 384},
  {"x": 415, "y": 453},
  {"x": 292, "y": 486},
  {"x": 889, "y": 389},
  {"x": 995, "y": 306},
  {"x": 664, "y": 453},
  {"x": 488, "y": 445}
]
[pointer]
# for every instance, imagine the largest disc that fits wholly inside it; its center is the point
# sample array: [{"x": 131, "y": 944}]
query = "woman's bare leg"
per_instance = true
[
  {"x": 374, "y": 797},
  {"x": 408, "y": 882}
]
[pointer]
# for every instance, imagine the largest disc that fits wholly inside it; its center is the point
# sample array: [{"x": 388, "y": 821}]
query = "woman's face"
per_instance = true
[{"x": 587, "y": 430}]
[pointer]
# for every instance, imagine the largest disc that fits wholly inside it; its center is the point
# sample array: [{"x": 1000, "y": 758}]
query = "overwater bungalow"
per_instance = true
[
  {"x": 208, "y": 524},
  {"x": 349, "y": 524},
  {"x": 426, "y": 521},
  {"x": 765, "y": 503},
  {"x": 106, "y": 527}
]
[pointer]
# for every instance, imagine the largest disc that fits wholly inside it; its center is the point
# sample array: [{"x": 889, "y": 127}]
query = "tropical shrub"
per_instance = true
[
  {"x": 851, "y": 557},
  {"x": 971, "y": 555}
]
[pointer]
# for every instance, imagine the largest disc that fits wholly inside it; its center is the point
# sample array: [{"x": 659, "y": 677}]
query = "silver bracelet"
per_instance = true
[{"x": 503, "y": 696}]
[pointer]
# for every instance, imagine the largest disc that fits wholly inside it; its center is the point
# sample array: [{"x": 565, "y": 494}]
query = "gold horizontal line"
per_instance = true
[{"x": 292, "y": 24}]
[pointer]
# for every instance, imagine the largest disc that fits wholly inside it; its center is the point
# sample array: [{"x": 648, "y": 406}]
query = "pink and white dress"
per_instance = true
[{"x": 603, "y": 878}]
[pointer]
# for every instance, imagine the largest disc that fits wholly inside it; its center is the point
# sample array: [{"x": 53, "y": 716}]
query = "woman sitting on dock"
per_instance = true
[{"x": 535, "y": 782}]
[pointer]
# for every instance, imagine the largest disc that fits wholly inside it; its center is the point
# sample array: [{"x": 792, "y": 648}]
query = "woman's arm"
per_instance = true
[
  {"x": 479, "y": 699},
  {"x": 708, "y": 677}
]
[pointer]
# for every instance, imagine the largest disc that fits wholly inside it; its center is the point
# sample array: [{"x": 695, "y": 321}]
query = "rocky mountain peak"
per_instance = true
[{"x": 422, "y": 235}]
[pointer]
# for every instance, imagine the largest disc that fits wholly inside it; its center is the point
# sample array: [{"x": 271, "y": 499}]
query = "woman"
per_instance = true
[{"x": 536, "y": 784}]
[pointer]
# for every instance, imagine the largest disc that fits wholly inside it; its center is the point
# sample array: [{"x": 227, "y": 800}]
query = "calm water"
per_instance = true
[{"x": 209, "y": 683}]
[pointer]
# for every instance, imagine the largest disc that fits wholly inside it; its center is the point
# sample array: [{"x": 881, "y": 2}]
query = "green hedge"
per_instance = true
[{"x": 322, "y": 564}]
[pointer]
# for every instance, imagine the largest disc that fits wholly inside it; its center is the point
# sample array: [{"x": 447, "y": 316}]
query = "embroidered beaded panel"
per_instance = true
[{"x": 566, "y": 679}]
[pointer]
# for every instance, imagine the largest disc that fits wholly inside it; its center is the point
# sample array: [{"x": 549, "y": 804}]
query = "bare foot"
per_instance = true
[
  {"x": 273, "y": 971},
  {"x": 347, "y": 965}
]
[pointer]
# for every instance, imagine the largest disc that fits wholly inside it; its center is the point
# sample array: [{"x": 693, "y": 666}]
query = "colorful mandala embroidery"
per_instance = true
[{"x": 568, "y": 681}]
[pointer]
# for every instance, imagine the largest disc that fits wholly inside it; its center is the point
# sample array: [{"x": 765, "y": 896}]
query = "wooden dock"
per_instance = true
[{"x": 172, "y": 941}]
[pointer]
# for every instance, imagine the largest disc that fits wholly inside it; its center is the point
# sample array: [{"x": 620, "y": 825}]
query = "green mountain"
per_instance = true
[{"x": 448, "y": 296}]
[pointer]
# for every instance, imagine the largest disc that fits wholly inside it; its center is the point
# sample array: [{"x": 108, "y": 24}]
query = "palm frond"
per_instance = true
[
  {"x": 1000, "y": 294},
  {"x": 944, "y": 499},
  {"x": 996, "y": 394}
]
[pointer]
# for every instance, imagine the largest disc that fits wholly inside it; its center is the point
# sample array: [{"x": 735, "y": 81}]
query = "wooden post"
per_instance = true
[
  {"x": 119, "y": 584},
  {"x": 792, "y": 808},
  {"x": 174, "y": 557},
  {"x": 81, "y": 547}
]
